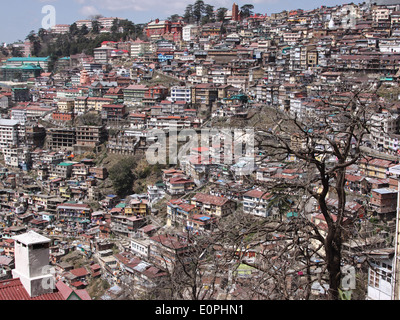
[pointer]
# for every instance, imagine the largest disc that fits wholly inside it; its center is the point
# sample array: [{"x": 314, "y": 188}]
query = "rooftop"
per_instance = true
[{"x": 31, "y": 237}]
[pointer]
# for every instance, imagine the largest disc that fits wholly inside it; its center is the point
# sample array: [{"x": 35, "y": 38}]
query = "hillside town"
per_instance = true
[{"x": 75, "y": 130}]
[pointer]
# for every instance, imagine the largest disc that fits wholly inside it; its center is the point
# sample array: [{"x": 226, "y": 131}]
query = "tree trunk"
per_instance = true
[{"x": 333, "y": 245}]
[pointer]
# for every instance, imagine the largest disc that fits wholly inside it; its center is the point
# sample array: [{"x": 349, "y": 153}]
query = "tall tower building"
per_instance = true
[
  {"x": 32, "y": 254},
  {"x": 235, "y": 12}
]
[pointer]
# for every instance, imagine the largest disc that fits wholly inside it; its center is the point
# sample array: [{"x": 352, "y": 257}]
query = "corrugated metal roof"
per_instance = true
[{"x": 14, "y": 290}]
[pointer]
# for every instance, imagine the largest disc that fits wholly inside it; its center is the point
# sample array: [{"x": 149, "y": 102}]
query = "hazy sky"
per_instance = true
[{"x": 19, "y": 17}]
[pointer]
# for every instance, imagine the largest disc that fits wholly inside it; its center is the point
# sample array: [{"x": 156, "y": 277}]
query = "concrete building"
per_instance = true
[
  {"x": 61, "y": 138},
  {"x": 380, "y": 274},
  {"x": 31, "y": 259},
  {"x": 8, "y": 133}
]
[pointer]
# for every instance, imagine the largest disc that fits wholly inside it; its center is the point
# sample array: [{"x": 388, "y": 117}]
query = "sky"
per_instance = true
[{"x": 19, "y": 17}]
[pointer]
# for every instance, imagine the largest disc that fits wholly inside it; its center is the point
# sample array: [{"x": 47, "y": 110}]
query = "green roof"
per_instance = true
[
  {"x": 29, "y": 59},
  {"x": 65, "y": 164},
  {"x": 292, "y": 214}
]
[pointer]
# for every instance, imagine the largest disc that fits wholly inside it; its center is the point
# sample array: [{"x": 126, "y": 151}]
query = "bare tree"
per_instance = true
[{"x": 330, "y": 141}]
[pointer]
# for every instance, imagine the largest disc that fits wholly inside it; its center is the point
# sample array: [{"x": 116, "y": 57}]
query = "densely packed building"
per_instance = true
[{"x": 180, "y": 77}]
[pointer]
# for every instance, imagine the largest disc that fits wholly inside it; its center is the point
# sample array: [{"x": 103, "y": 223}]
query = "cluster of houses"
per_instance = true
[{"x": 180, "y": 76}]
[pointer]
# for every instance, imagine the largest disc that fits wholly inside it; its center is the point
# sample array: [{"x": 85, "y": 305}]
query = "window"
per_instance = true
[{"x": 374, "y": 279}]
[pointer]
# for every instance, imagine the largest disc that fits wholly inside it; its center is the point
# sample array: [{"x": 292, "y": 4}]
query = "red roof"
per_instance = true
[
  {"x": 13, "y": 289},
  {"x": 77, "y": 284},
  {"x": 258, "y": 194},
  {"x": 66, "y": 291},
  {"x": 83, "y": 294},
  {"x": 80, "y": 272},
  {"x": 210, "y": 199}
]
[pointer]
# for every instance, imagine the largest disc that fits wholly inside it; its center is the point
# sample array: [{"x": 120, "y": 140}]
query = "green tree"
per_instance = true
[
  {"x": 84, "y": 30},
  {"x": 16, "y": 52},
  {"x": 246, "y": 11},
  {"x": 221, "y": 12},
  {"x": 122, "y": 177},
  {"x": 115, "y": 26},
  {"x": 198, "y": 10},
  {"x": 174, "y": 18},
  {"x": 188, "y": 15},
  {"x": 95, "y": 27},
  {"x": 208, "y": 14},
  {"x": 73, "y": 29}
]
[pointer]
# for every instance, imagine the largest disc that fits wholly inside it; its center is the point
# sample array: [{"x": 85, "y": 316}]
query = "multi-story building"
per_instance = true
[
  {"x": 80, "y": 105},
  {"x": 181, "y": 93},
  {"x": 8, "y": 133},
  {"x": 213, "y": 205},
  {"x": 65, "y": 105},
  {"x": 179, "y": 185},
  {"x": 96, "y": 103},
  {"x": 375, "y": 168},
  {"x": 87, "y": 23},
  {"x": 139, "y": 48},
  {"x": 99, "y": 172},
  {"x": 157, "y": 29},
  {"x": 108, "y": 22},
  {"x": 135, "y": 94},
  {"x": 62, "y": 170},
  {"x": 36, "y": 112},
  {"x": 113, "y": 112},
  {"x": 17, "y": 157},
  {"x": 60, "y": 28},
  {"x": 74, "y": 212},
  {"x": 189, "y": 32},
  {"x": 256, "y": 202},
  {"x": 42, "y": 62},
  {"x": 61, "y": 138},
  {"x": 137, "y": 207},
  {"x": 384, "y": 202},
  {"x": 90, "y": 136},
  {"x": 18, "y": 113},
  {"x": 380, "y": 274},
  {"x": 204, "y": 94},
  {"x": 384, "y": 126},
  {"x": 126, "y": 226},
  {"x": 167, "y": 251},
  {"x": 102, "y": 55}
]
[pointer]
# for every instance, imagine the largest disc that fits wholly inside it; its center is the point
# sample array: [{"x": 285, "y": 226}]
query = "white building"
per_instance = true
[
  {"x": 19, "y": 113},
  {"x": 32, "y": 254},
  {"x": 255, "y": 202},
  {"x": 107, "y": 23},
  {"x": 181, "y": 94},
  {"x": 384, "y": 127},
  {"x": 60, "y": 28},
  {"x": 8, "y": 133},
  {"x": 87, "y": 23},
  {"x": 16, "y": 157},
  {"x": 380, "y": 274},
  {"x": 102, "y": 54},
  {"x": 139, "y": 48},
  {"x": 188, "y": 32},
  {"x": 140, "y": 247}
]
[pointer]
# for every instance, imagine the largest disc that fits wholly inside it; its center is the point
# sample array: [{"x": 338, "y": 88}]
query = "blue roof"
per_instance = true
[{"x": 204, "y": 218}]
